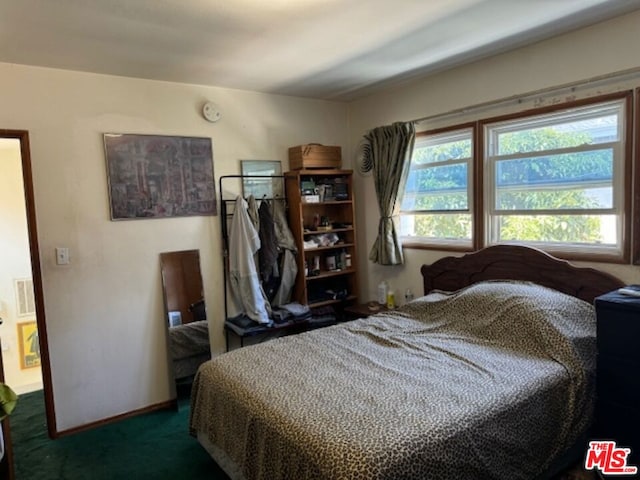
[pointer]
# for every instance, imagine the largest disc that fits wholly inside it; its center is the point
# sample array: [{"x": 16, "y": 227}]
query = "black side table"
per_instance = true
[{"x": 617, "y": 415}]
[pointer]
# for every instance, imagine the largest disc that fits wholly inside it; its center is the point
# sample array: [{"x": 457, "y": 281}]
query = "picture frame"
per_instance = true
[
  {"x": 175, "y": 319},
  {"x": 159, "y": 176},
  {"x": 29, "y": 345},
  {"x": 261, "y": 186}
]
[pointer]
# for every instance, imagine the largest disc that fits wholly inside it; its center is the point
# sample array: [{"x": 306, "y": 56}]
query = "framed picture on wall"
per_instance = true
[
  {"x": 259, "y": 179},
  {"x": 158, "y": 176},
  {"x": 28, "y": 344}
]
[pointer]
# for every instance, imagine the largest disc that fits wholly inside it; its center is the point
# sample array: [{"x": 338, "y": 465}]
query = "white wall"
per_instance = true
[
  {"x": 583, "y": 54},
  {"x": 104, "y": 311},
  {"x": 15, "y": 263}
]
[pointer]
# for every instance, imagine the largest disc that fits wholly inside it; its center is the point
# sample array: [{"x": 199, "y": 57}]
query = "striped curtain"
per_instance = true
[{"x": 391, "y": 149}]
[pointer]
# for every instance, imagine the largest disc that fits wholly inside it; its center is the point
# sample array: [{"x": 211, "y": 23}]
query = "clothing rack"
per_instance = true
[{"x": 227, "y": 205}]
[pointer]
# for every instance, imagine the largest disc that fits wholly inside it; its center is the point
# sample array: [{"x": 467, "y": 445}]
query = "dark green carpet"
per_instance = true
[{"x": 154, "y": 445}]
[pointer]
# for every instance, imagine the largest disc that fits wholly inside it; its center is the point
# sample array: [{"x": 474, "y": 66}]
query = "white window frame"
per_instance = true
[
  {"x": 427, "y": 139},
  {"x": 492, "y": 214}
]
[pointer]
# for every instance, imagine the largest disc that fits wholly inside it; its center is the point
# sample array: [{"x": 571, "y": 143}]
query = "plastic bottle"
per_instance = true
[
  {"x": 382, "y": 292},
  {"x": 408, "y": 295},
  {"x": 391, "y": 300}
]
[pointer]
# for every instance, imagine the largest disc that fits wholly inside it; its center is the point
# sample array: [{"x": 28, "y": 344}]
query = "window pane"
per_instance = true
[
  {"x": 440, "y": 150},
  {"x": 576, "y": 180},
  {"x": 437, "y": 188},
  {"x": 562, "y": 135},
  {"x": 570, "y": 229},
  {"x": 454, "y": 226},
  {"x": 564, "y": 198}
]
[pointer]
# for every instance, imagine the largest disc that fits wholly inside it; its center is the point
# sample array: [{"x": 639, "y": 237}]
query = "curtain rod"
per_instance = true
[{"x": 572, "y": 86}]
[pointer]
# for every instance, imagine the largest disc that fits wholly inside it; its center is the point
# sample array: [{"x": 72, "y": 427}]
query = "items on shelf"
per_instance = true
[
  {"x": 324, "y": 190},
  {"x": 328, "y": 294},
  {"x": 308, "y": 187},
  {"x": 340, "y": 190},
  {"x": 321, "y": 240},
  {"x": 326, "y": 225},
  {"x": 291, "y": 312},
  {"x": 336, "y": 261},
  {"x": 330, "y": 262},
  {"x": 342, "y": 225},
  {"x": 315, "y": 270}
]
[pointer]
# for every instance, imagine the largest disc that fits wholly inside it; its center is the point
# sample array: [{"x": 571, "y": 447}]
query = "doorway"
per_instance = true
[{"x": 23, "y": 329}]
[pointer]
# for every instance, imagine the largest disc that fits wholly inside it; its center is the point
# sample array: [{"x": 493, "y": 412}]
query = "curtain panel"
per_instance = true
[{"x": 391, "y": 148}]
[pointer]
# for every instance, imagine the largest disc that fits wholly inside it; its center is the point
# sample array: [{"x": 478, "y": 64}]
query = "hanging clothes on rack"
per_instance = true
[
  {"x": 244, "y": 242},
  {"x": 253, "y": 211},
  {"x": 268, "y": 253},
  {"x": 281, "y": 225},
  {"x": 288, "y": 265}
]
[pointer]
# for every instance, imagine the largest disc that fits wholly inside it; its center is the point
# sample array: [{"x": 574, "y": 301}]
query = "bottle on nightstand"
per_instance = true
[
  {"x": 408, "y": 295},
  {"x": 383, "y": 288},
  {"x": 391, "y": 300}
]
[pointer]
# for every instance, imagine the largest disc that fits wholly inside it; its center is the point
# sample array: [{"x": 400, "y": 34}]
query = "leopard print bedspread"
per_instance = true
[{"x": 491, "y": 382}]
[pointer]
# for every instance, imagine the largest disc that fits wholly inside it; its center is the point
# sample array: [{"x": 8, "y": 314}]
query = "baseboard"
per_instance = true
[
  {"x": 28, "y": 388},
  {"x": 170, "y": 404}
]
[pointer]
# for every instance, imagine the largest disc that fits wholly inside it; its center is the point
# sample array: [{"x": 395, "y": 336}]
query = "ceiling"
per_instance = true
[{"x": 328, "y": 49}]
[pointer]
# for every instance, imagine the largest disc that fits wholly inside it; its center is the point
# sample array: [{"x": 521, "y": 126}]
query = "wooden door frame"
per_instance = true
[{"x": 29, "y": 197}]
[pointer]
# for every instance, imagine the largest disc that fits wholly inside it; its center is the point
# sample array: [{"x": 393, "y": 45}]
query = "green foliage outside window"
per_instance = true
[
  {"x": 583, "y": 166},
  {"x": 435, "y": 181}
]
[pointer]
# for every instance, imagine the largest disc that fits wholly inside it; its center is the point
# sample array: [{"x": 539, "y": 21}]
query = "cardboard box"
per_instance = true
[{"x": 315, "y": 156}]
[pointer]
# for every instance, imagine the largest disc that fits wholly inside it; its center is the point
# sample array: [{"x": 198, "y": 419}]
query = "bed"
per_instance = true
[
  {"x": 189, "y": 347},
  {"x": 489, "y": 375}
]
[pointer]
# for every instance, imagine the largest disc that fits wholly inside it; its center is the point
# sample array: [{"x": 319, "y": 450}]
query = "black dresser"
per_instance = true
[{"x": 617, "y": 415}]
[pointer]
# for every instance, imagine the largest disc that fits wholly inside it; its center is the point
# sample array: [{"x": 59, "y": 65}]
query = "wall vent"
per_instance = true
[{"x": 25, "y": 298}]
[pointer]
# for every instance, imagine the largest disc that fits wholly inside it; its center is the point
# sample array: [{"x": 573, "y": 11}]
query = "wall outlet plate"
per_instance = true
[{"x": 62, "y": 256}]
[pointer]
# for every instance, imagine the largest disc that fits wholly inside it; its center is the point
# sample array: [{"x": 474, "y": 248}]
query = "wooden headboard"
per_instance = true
[{"x": 513, "y": 262}]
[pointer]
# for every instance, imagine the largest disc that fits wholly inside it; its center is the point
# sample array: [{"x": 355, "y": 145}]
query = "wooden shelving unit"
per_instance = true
[{"x": 323, "y": 286}]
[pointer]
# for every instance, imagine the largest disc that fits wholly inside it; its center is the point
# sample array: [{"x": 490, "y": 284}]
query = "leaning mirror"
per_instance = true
[{"x": 186, "y": 319}]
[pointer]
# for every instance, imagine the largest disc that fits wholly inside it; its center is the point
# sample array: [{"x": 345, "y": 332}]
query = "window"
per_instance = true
[
  {"x": 437, "y": 204},
  {"x": 557, "y": 180}
]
